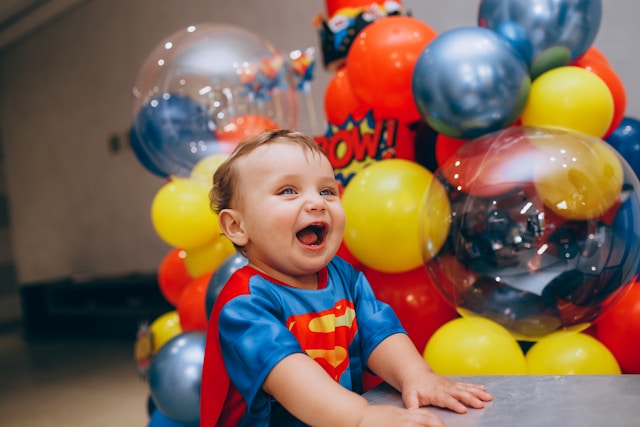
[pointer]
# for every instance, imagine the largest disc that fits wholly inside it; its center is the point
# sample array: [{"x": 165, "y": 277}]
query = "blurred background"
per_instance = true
[{"x": 74, "y": 198}]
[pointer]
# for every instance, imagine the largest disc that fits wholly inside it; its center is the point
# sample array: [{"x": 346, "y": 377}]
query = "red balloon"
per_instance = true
[
  {"x": 340, "y": 103},
  {"x": 380, "y": 65},
  {"x": 615, "y": 85},
  {"x": 192, "y": 307},
  {"x": 446, "y": 146},
  {"x": 618, "y": 328},
  {"x": 173, "y": 276},
  {"x": 417, "y": 302}
]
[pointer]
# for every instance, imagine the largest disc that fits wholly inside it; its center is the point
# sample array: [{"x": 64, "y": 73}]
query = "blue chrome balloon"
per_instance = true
[
  {"x": 175, "y": 377},
  {"x": 175, "y": 132},
  {"x": 626, "y": 140},
  {"x": 547, "y": 33},
  {"x": 220, "y": 277},
  {"x": 469, "y": 81}
]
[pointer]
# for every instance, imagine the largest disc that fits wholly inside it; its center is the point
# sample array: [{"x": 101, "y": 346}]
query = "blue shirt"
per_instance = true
[{"x": 263, "y": 321}]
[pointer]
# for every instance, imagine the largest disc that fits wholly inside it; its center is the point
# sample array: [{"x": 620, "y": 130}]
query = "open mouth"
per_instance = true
[{"x": 313, "y": 235}]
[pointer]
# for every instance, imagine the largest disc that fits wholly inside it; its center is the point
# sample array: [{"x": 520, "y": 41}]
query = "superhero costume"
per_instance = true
[{"x": 257, "y": 321}]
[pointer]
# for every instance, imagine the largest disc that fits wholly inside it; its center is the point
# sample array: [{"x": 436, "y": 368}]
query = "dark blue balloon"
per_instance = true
[
  {"x": 175, "y": 377},
  {"x": 626, "y": 141},
  {"x": 546, "y": 33},
  {"x": 220, "y": 277},
  {"x": 143, "y": 157},
  {"x": 175, "y": 132}
]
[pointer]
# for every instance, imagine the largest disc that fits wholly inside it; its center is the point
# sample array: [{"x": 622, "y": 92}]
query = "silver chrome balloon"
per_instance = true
[
  {"x": 175, "y": 376},
  {"x": 469, "y": 81}
]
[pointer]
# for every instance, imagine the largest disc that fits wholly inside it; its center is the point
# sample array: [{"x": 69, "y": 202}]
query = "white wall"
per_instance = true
[{"x": 76, "y": 207}]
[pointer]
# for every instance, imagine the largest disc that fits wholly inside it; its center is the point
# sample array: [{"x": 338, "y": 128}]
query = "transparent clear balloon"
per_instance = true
[
  {"x": 200, "y": 81},
  {"x": 543, "y": 229}
]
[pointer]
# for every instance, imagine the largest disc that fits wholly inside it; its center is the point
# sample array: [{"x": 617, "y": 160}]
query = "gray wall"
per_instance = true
[{"x": 77, "y": 208}]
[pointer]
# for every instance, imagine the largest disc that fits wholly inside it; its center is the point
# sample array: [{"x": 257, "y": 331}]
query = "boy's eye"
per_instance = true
[
  {"x": 287, "y": 191},
  {"x": 328, "y": 192}
]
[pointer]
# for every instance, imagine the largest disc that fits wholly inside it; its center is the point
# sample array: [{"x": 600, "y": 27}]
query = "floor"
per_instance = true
[{"x": 85, "y": 381}]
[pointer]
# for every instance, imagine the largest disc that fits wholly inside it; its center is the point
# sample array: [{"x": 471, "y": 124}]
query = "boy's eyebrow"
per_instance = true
[{"x": 330, "y": 180}]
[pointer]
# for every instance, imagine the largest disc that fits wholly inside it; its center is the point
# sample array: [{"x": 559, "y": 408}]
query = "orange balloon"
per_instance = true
[
  {"x": 380, "y": 65},
  {"x": 192, "y": 305},
  {"x": 173, "y": 275},
  {"x": 615, "y": 85},
  {"x": 243, "y": 127},
  {"x": 592, "y": 54},
  {"x": 340, "y": 102}
]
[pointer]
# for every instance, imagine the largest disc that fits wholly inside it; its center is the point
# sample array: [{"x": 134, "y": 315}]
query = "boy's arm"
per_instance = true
[
  {"x": 303, "y": 387},
  {"x": 395, "y": 358},
  {"x": 398, "y": 363}
]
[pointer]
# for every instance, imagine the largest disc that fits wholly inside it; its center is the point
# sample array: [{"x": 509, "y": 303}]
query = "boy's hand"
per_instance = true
[
  {"x": 429, "y": 388},
  {"x": 397, "y": 362}
]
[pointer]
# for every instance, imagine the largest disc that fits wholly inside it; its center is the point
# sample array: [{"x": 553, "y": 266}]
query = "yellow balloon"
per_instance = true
[
  {"x": 577, "y": 177},
  {"x": 164, "y": 328},
  {"x": 181, "y": 215},
  {"x": 205, "y": 168},
  {"x": 382, "y": 203},
  {"x": 570, "y": 98},
  {"x": 435, "y": 220},
  {"x": 474, "y": 346},
  {"x": 570, "y": 353},
  {"x": 208, "y": 257}
]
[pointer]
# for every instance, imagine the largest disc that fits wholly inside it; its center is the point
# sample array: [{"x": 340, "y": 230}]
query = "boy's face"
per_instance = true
[{"x": 289, "y": 210}]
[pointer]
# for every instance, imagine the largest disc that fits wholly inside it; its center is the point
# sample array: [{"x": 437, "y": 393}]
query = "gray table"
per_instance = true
[{"x": 531, "y": 400}]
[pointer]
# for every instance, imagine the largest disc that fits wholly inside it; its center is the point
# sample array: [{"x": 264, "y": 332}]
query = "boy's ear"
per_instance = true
[{"x": 231, "y": 225}]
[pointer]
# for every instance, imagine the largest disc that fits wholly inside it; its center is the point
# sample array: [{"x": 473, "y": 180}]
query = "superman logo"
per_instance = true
[{"x": 326, "y": 336}]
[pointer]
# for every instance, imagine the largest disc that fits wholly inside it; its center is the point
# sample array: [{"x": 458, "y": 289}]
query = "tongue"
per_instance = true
[{"x": 307, "y": 236}]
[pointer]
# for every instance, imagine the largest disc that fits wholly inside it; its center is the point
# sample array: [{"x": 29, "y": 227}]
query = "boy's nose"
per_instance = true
[{"x": 315, "y": 202}]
